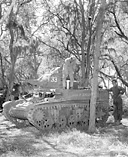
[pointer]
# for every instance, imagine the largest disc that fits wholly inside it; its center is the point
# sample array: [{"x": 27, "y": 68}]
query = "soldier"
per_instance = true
[
  {"x": 16, "y": 91},
  {"x": 117, "y": 91},
  {"x": 68, "y": 70}
]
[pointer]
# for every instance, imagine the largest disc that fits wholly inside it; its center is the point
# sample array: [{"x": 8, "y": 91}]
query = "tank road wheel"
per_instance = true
[
  {"x": 72, "y": 121},
  {"x": 101, "y": 116},
  {"x": 62, "y": 123},
  {"x": 6, "y": 112},
  {"x": 38, "y": 116},
  {"x": 46, "y": 123},
  {"x": 84, "y": 121},
  {"x": 41, "y": 120}
]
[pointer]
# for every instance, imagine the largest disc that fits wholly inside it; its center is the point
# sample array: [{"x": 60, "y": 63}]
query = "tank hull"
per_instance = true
[{"x": 68, "y": 108}]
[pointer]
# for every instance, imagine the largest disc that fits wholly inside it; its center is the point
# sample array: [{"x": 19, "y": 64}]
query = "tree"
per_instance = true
[
  {"x": 70, "y": 31},
  {"x": 16, "y": 32},
  {"x": 2, "y": 71},
  {"x": 94, "y": 89}
]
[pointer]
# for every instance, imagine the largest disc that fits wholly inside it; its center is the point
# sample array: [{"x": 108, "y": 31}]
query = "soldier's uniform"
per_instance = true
[
  {"x": 15, "y": 91},
  {"x": 68, "y": 70},
  {"x": 117, "y": 100}
]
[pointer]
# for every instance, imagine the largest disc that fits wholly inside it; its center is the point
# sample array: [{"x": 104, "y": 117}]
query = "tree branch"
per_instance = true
[
  {"x": 117, "y": 70},
  {"x": 8, "y": 12},
  {"x": 50, "y": 46},
  {"x": 25, "y": 2},
  {"x": 121, "y": 33}
]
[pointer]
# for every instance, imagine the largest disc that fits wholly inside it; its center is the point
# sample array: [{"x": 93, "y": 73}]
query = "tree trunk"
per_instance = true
[
  {"x": 96, "y": 67},
  {"x": 83, "y": 44},
  {"x": 13, "y": 56},
  {"x": 90, "y": 18},
  {"x": 36, "y": 65},
  {"x": 2, "y": 71}
]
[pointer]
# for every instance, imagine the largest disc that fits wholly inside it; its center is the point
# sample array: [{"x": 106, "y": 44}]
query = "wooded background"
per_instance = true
[{"x": 37, "y": 35}]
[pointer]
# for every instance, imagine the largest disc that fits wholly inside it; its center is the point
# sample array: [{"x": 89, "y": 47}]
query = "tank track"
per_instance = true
[
  {"x": 59, "y": 115},
  {"x": 6, "y": 111},
  {"x": 101, "y": 113}
]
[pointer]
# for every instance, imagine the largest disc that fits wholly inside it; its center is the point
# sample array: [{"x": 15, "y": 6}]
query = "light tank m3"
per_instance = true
[
  {"x": 57, "y": 108},
  {"x": 66, "y": 108}
]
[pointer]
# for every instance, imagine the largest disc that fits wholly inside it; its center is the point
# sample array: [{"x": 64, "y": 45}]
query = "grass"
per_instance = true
[
  {"x": 18, "y": 145},
  {"x": 110, "y": 142},
  {"x": 29, "y": 142}
]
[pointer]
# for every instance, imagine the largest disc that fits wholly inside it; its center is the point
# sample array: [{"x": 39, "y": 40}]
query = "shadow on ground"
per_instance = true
[
  {"x": 119, "y": 131},
  {"x": 31, "y": 142}
]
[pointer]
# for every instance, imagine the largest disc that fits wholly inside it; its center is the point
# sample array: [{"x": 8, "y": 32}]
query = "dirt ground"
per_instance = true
[{"x": 29, "y": 141}]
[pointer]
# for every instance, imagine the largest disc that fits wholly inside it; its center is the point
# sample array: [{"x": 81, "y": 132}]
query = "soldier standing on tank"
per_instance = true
[
  {"x": 117, "y": 91},
  {"x": 68, "y": 70}
]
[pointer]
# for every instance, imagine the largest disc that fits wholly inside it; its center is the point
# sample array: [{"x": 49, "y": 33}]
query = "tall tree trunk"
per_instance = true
[
  {"x": 2, "y": 70},
  {"x": 13, "y": 56},
  {"x": 83, "y": 43},
  {"x": 90, "y": 18},
  {"x": 36, "y": 65},
  {"x": 96, "y": 67}
]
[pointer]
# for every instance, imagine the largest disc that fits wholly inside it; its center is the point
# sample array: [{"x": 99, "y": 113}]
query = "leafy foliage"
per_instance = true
[{"x": 53, "y": 30}]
